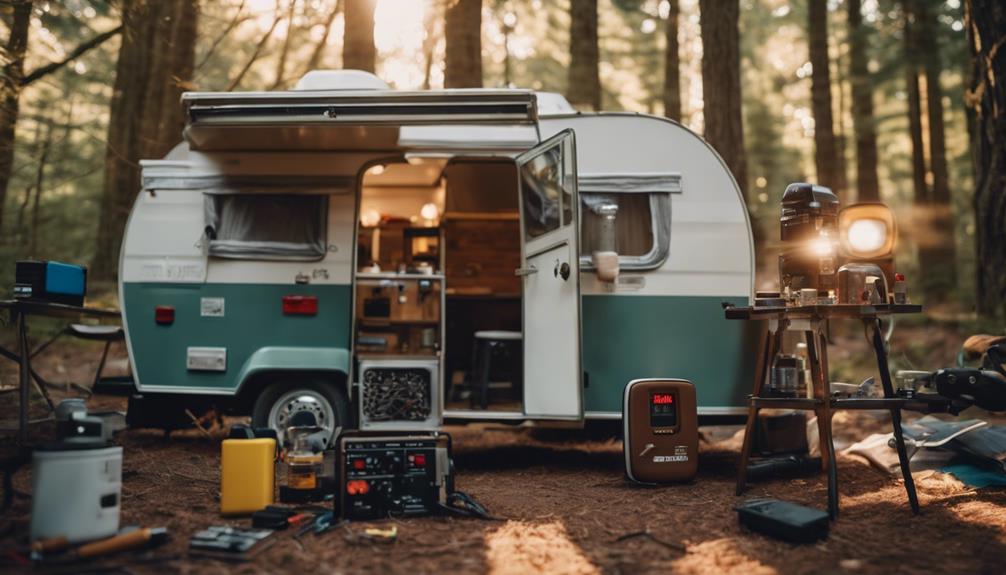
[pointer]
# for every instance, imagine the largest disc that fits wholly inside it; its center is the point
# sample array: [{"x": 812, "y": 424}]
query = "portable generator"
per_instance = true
[
  {"x": 660, "y": 419},
  {"x": 387, "y": 475},
  {"x": 54, "y": 282}
]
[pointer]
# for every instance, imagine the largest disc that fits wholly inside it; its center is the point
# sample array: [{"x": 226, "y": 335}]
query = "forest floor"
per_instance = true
[{"x": 563, "y": 504}]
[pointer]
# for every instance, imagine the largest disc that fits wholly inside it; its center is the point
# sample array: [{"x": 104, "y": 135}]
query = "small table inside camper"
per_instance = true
[
  {"x": 19, "y": 312},
  {"x": 810, "y": 320}
]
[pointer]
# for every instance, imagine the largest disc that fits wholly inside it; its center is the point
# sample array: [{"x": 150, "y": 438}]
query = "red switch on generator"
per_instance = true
[
  {"x": 359, "y": 464},
  {"x": 420, "y": 460},
  {"x": 357, "y": 487}
]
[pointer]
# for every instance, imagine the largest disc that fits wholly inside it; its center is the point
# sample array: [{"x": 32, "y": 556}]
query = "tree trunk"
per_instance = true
[
  {"x": 43, "y": 159},
  {"x": 358, "y": 50},
  {"x": 862, "y": 108},
  {"x": 156, "y": 61},
  {"x": 919, "y": 188},
  {"x": 584, "y": 87},
  {"x": 672, "y": 65},
  {"x": 986, "y": 26},
  {"x": 825, "y": 149},
  {"x": 721, "y": 84},
  {"x": 10, "y": 93},
  {"x": 463, "y": 36},
  {"x": 941, "y": 273}
]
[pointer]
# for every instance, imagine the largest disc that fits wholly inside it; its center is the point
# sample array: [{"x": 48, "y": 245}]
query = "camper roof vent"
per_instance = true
[
  {"x": 340, "y": 80},
  {"x": 553, "y": 104}
]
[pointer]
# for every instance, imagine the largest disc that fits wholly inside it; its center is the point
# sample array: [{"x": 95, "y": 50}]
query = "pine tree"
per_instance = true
[
  {"x": 358, "y": 50},
  {"x": 825, "y": 146},
  {"x": 863, "y": 122},
  {"x": 584, "y": 88},
  {"x": 672, "y": 64},
  {"x": 463, "y": 44}
]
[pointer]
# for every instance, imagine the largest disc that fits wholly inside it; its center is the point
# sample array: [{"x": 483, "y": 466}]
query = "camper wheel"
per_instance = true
[{"x": 309, "y": 403}]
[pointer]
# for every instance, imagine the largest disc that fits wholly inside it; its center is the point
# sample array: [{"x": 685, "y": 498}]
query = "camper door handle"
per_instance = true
[{"x": 525, "y": 271}]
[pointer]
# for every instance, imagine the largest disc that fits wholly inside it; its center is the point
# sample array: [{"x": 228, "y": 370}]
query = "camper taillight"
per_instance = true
[
  {"x": 300, "y": 305},
  {"x": 164, "y": 315}
]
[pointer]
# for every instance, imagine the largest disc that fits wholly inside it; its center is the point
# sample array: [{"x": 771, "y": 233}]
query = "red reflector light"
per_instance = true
[
  {"x": 164, "y": 315},
  {"x": 300, "y": 305}
]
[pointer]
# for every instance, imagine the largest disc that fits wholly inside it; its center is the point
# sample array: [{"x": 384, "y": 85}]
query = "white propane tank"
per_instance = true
[{"x": 75, "y": 491}]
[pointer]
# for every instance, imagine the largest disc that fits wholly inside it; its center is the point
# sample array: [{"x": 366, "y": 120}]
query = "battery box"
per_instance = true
[
  {"x": 784, "y": 520},
  {"x": 660, "y": 419},
  {"x": 53, "y": 282},
  {"x": 389, "y": 475}
]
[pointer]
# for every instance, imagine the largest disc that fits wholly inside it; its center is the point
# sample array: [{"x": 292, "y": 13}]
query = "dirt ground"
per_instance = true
[{"x": 562, "y": 503}]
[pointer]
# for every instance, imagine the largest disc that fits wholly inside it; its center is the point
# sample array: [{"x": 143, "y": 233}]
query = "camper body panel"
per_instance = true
[{"x": 667, "y": 321}]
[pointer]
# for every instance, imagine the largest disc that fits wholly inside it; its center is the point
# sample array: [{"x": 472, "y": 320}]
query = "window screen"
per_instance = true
[{"x": 266, "y": 226}]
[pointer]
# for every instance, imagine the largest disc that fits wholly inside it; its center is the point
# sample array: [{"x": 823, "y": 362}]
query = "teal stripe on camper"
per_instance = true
[
  {"x": 633, "y": 337},
  {"x": 253, "y": 319}
]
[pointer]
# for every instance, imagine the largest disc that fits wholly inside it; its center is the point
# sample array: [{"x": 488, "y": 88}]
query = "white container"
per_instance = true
[{"x": 76, "y": 492}]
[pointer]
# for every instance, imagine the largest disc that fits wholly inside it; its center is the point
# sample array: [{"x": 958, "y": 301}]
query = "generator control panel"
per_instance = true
[
  {"x": 660, "y": 419},
  {"x": 389, "y": 476}
]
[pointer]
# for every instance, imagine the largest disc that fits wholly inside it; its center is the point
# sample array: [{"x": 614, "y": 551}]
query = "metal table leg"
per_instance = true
[
  {"x": 899, "y": 438},
  {"x": 24, "y": 375},
  {"x": 763, "y": 363},
  {"x": 817, "y": 355}
]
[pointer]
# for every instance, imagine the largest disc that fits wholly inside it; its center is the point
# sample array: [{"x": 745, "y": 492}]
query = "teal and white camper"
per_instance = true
[{"x": 351, "y": 255}]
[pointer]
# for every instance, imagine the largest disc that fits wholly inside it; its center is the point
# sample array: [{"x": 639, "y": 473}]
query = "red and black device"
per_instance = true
[
  {"x": 388, "y": 475},
  {"x": 660, "y": 418}
]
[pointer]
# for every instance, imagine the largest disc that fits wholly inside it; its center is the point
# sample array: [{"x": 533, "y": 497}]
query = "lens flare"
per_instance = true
[{"x": 867, "y": 235}]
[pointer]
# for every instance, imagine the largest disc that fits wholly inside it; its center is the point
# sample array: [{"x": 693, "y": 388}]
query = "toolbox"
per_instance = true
[{"x": 54, "y": 282}]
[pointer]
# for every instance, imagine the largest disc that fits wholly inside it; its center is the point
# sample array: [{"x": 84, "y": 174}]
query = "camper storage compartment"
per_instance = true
[{"x": 401, "y": 393}]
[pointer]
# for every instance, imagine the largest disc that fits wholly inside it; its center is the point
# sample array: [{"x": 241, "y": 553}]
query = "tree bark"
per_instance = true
[
  {"x": 10, "y": 93},
  {"x": 463, "y": 36},
  {"x": 721, "y": 84},
  {"x": 358, "y": 50},
  {"x": 672, "y": 64},
  {"x": 919, "y": 187},
  {"x": 940, "y": 269},
  {"x": 825, "y": 148},
  {"x": 156, "y": 61},
  {"x": 863, "y": 124},
  {"x": 986, "y": 26},
  {"x": 584, "y": 87}
]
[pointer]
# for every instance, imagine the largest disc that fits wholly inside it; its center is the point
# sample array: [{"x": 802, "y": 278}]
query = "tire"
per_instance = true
[{"x": 282, "y": 400}]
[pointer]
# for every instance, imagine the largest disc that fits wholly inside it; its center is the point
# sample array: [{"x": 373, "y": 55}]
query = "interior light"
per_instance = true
[
  {"x": 370, "y": 218},
  {"x": 429, "y": 211},
  {"x": 867, "y": 235},
  {"x": 376, "y": 170}
]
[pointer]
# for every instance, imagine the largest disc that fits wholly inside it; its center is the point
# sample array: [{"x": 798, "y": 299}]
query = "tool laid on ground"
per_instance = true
[
  {"x": 230, "y": 543},
  {"x": 661, "y": 430},
  {"x": 783, "y": 520},
  {"x": 128, "y": 540}
]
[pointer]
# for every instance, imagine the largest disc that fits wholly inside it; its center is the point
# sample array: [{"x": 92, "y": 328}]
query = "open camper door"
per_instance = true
[{"x": 551, "y": 278}]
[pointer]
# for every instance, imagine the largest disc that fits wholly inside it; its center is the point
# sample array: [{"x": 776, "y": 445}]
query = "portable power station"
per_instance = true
[
  {"x": 50, "y": 282},
  {"x": 661, "y": 430},
  {"x": 388, "y": 475}
]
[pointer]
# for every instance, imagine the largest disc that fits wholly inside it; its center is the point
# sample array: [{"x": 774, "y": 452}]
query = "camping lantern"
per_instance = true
[
  {"x": 809, "y": 233},
  {"x": 867, "y": 232}
]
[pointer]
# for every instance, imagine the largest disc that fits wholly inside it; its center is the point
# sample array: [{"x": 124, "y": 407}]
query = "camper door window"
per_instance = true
[
  {"x": 266, "y": 226},
  {"x": 635, "y": 225}
]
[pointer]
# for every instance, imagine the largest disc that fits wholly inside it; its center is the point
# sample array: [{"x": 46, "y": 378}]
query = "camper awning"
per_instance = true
[{"x": 343, "y": 120}]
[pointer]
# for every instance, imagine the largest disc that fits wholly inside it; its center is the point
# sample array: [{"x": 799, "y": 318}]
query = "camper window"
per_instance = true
[
  {"x": 641, "y": 234},
  {"x": 266, "y": 226}
]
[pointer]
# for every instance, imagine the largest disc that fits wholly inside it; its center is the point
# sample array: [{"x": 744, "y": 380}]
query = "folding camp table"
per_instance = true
[
  {"x": 810, "y": 320},
  {"x": 19, "y": 312}
]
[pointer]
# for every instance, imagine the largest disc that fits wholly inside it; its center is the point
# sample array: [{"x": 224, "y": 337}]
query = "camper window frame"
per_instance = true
[
  {"x": 660, "y": 210},
  {"x": 251, "y": 254}
]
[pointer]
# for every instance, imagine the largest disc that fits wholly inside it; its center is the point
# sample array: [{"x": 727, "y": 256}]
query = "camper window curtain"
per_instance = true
[{"x": 266, "y": 226}]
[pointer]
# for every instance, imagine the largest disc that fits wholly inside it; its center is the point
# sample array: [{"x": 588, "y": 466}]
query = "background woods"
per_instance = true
[{"x": 889, "y": 100}]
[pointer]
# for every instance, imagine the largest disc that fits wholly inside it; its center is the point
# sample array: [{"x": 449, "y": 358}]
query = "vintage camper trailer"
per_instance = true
[{"x": 350, "y": 255}]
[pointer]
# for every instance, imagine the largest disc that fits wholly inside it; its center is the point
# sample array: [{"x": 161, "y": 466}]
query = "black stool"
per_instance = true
[{"x": 488, "y": 344}]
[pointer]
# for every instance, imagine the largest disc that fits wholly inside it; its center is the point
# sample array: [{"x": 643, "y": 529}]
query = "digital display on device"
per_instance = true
[{"x": 663, "y": 410}]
